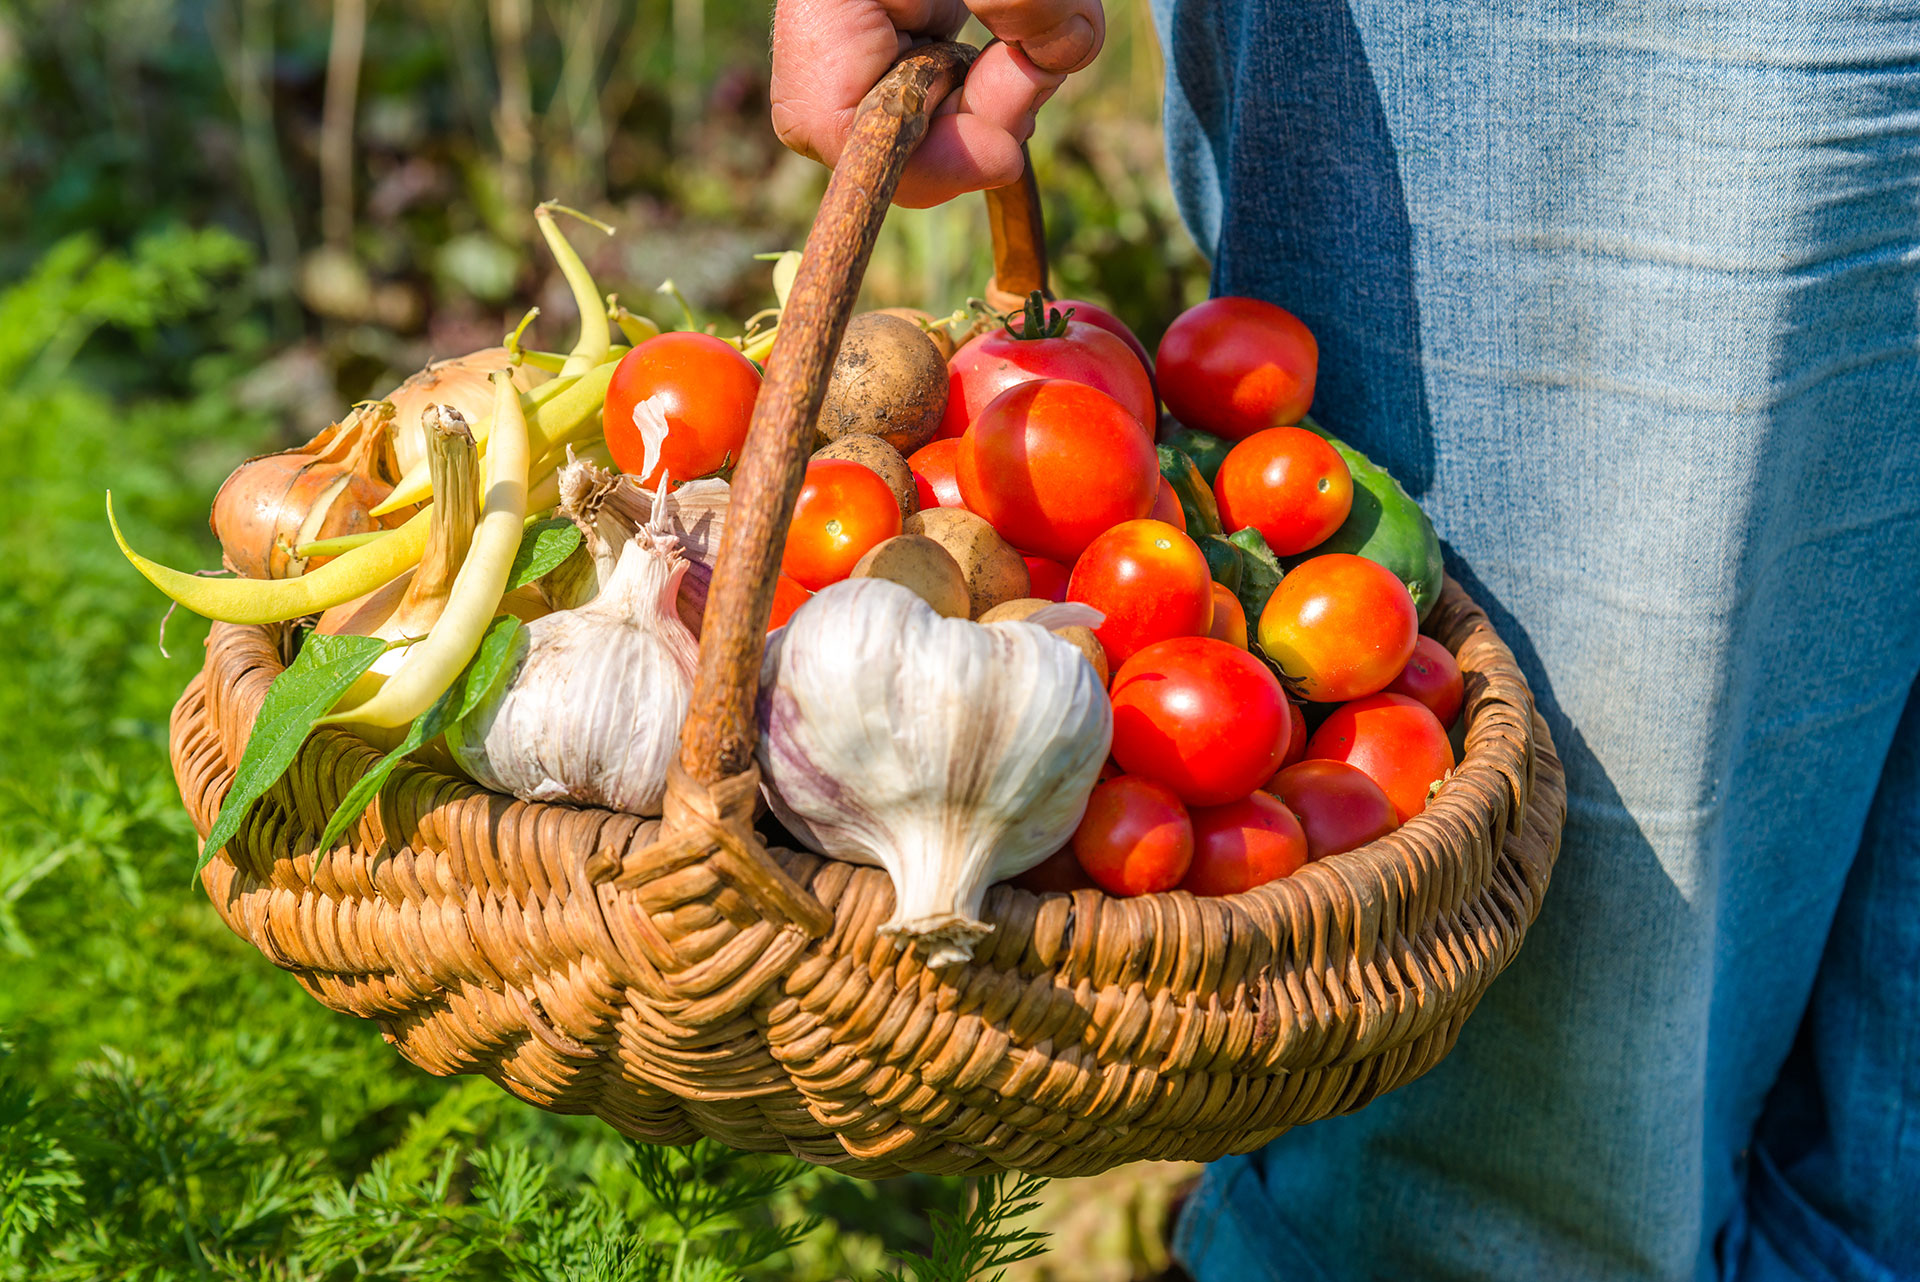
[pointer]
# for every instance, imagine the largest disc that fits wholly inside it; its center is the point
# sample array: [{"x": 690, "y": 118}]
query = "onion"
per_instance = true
[
  {"x": 273, "y": 504},
  {"x": 459, "y": 381}
]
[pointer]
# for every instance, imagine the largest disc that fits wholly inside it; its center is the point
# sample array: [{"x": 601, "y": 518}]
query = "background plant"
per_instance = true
[{"x": 221, "y": 221}]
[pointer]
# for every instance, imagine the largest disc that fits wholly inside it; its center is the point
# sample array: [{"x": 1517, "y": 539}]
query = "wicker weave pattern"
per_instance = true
[{"x": 698, "y": 983}]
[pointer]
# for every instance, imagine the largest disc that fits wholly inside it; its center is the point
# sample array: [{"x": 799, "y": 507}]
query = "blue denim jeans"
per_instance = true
[{"x": 1627, "y": 295}]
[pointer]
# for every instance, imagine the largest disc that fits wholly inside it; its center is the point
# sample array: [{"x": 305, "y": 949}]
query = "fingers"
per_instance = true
[
  {"x": 975, "y": 142},
  {"x": 1060, "y": 36},
  {"x": 828, "y": 53}
]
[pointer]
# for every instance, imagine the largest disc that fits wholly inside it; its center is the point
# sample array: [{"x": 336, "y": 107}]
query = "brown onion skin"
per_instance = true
[{"x": 260, "y": 509}]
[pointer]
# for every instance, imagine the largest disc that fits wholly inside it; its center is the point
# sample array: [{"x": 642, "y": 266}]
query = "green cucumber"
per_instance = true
[
  {"x": 1385, "y": 525},
  {"x": 1260, "y": 574},
  {"x": 1225, "y": 562},
  {"x": 1192, "y": 490},
  {"x": 1206, "y": 451}
]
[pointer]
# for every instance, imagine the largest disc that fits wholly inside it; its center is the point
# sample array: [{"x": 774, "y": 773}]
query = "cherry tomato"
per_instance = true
[
  {"x": 843, "y": 510},
  {"x": 1200, "y": 716},
  {"x": 933, "y": 467},
  {"x": 1243, "y": 844},
  {"x": 1078, "y": 352},
  {"x": 1230, "y": 621},
  {"x": 1051, "y": 464},
  {"x": 1286, "y": 483},
  {"x": 1135, "y": 839},
  {"x": 1340, "y": 627},
  {"x": 1339, "y": 807},
  {"x": 1049, "y": 578},
  {"x": 703, "y": 387},
  {"x": 1058, "y": 872},
  {"x": 1150, "y": 581},
  {"x": 788, "y": 596},
  {"x": 1394, "y": 740},
  {"x": 1166, "y": 507},
  {"x": 1433, "y": 677},
  {"x": 1297, "y": 740},
  {"x": 1094, "y": 314},
  {"x": 1236, "y": 366}
]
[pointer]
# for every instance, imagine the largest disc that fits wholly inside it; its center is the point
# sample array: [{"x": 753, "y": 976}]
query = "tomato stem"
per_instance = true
[{"x": 1037, "y": 322}]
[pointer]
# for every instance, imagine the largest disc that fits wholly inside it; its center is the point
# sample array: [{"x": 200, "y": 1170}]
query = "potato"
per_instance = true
[
  {"x": 888, "y": 380},
  {"x": 1079, "y": 636},
  {"x": 924, "y": 322},
  {"x": 917, "y": 562},
  {"x": 994, "y": 571},
  {"x": 1015, "y": 610},
  {"x": 883, "y": 461},
  {"x": 1089, "y": 645}
]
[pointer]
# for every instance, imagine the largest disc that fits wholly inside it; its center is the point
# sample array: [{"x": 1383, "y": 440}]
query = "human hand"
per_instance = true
[{"x": 828, "y": 53}]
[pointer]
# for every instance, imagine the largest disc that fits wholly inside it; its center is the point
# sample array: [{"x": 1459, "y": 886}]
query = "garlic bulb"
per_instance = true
[
  {"x": 952, "y": 754},
  {"x": 615, "y": 506},
  {"x": 589, "y": 710}
]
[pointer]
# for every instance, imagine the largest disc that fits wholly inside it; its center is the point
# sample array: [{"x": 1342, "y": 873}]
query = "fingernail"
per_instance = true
[{"x": 1067, "y": 47}]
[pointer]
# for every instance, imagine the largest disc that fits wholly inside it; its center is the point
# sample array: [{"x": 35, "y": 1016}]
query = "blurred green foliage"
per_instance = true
[{"x": 171, "y": 1106}]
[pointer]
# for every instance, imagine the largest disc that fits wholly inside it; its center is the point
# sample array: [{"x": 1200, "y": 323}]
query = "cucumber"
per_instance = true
[
  {"x": 1193, "y": 492},
  {"x": 1385, "y": 525},
  {"x": 1260, "y": 574},
  {"x": 1206, "y": 451},
  {"x": 1224, "y": 562}
]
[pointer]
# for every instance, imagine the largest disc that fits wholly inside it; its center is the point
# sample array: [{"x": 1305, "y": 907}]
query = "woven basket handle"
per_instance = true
[{"x": 719, "y": 736}]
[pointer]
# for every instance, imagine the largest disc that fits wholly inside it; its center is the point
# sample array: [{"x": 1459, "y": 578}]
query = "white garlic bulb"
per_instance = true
[
  {"x": 589, "y": 710},
  {"x": 952, "y": 754}
]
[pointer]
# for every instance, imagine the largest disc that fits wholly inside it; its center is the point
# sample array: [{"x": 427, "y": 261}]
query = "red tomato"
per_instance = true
[
  {"x": 1060, "y": 872},
  {"x": 933, "y": 467},
  {"x": 1049, "y": 578},
  {"x": 1150, "y": 581},
  {"x": 1051, "y": 464},
  {"x": 1094, "y": 314},
  {"x": 1394, "y": 740},
  {"x": 1200, "y": 716},
  {"x": 843, "y": 510},
  {"x": 1135, "y": 839},
  {"x": 1230, "y": 622},
  {"x": 1286, "y": 483},
  {"x": 1297, "y": 741},
  {"x": 1433, "y": 677},
  {"x": 988, "y": 365},
  {"x": 1339, "y": 627},
  {"x": 1166, "y": 507},
  {"x": 788, "y": 596},
  {"x": 1339, "y": 807},
  {"x": 704, "y": 388},
  {"x": 1243, "y": 844},
  {"x": 1236, "y": 366}
]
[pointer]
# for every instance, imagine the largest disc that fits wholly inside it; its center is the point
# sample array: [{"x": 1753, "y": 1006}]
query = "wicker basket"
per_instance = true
[{"x": 677, "y": 977}]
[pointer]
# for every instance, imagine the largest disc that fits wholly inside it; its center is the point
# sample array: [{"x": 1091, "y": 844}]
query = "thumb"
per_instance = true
[{"x": 1056, "y": 35}]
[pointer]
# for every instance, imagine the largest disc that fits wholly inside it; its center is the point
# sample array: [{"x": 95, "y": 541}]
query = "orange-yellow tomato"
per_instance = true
[
  {"x": 1340, "y": 627},
  {"x": 1229, "y": 620}
]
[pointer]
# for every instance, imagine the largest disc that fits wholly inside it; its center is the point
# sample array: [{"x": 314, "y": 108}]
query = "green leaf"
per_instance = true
[
  {"x": 544, "y": 545},
  {"x": 325, "y": 668},
  {"x": 461, "y": 698}
]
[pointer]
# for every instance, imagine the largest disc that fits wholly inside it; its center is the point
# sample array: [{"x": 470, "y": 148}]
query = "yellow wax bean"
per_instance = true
[
  {"x": 432, "y": 665},
  {"x": 352, "y": 574},
  {"x": 555, "y": 422}
]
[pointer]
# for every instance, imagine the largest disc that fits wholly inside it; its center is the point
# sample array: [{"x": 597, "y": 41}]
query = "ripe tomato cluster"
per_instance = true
[
  {"x": 1273, "y": 700},
  {"x": 1215, "y": 785}
]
